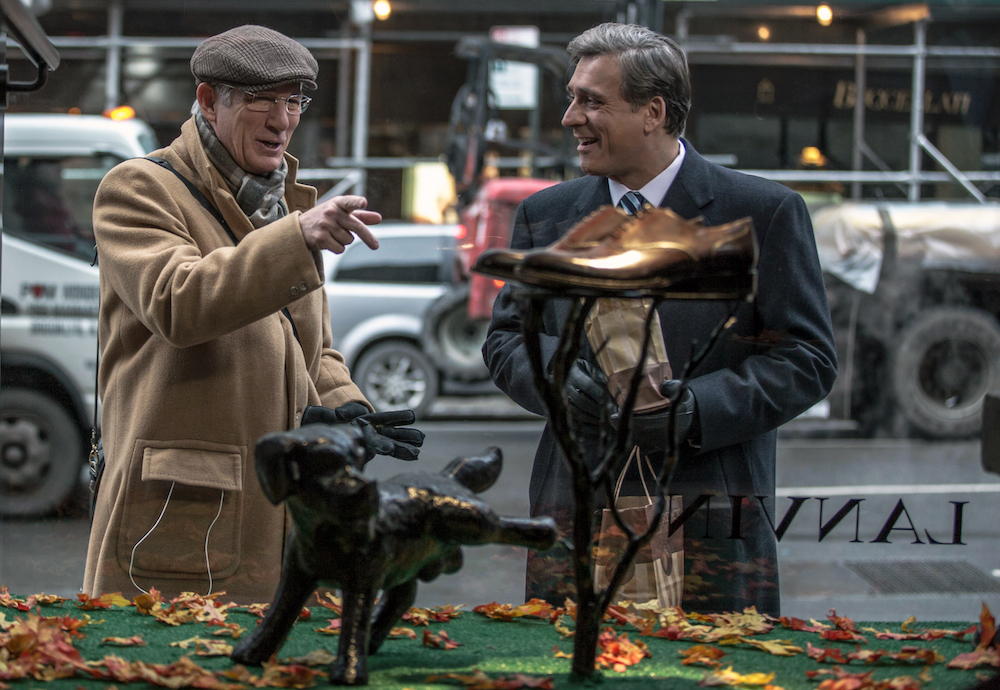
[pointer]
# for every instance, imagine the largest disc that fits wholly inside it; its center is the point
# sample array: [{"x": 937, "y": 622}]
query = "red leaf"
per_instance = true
[
  {"x": 825, "y": 654},
  {"x": 842, "y": 636},
  {"x": 439, "y": 641},
  {"x": 841, "y": 622},
  {"x": 799, "y": 624}
]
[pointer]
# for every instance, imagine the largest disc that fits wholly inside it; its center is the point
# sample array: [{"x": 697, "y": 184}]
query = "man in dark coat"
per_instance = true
[{"x": 629, "y": 100}]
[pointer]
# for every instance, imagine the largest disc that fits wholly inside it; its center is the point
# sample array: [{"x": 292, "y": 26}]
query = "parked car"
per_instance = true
[
  {"x": 52, "y": 167},
  {"x": 378, "y": 304}
]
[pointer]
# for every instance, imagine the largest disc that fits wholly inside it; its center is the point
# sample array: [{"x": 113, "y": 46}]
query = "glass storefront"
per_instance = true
[{"x": 887, "y": 503}]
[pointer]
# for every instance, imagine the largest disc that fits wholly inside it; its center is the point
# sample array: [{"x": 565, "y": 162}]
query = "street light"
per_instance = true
[
  {"x": 824, "y": 15},
  {"x": 382, "y": 9}
]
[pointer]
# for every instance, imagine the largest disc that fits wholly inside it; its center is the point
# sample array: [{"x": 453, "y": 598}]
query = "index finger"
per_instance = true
[
  {"x": 356, "y": 222},
  {"x": 366, "y": 235}
]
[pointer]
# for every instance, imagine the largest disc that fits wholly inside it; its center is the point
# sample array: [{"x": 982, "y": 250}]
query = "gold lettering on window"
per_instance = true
[{"x": 899, "y": 100}]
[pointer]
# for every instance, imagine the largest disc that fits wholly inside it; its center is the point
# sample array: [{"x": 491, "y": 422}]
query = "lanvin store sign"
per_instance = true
[{"x": 898, "y": 524}]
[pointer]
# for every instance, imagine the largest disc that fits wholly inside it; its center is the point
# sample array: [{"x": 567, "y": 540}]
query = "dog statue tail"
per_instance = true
[{"x": 477, "y": 473}]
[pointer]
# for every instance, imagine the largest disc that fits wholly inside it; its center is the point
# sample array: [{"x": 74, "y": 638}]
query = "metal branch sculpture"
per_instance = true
[{"x": 550, "y": 382}]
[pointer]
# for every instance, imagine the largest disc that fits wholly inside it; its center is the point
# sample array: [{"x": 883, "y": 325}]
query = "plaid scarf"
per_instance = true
[{"x": 259, "y": 196}]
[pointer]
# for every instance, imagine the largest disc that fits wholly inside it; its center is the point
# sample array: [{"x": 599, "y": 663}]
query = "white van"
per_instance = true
[{"x": 48, "y": 326}]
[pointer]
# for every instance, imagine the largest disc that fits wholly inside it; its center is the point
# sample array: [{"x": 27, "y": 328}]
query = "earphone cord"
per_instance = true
[
  {"x": 132, "y": 559},
  {"x": 208, "y": 564}
]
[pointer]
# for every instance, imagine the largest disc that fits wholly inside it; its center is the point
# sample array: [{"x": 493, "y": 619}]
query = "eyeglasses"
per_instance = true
[{"x": 263, "y": 102}]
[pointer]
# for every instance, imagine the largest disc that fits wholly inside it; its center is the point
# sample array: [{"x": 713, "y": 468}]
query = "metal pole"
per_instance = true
[
  {"x": 362, "y": 91},
  {"x": 343, "y": 96},
  {"x": 860, "y": 86},
  {"x": 535, "y": 122},
  {"x": 682, "y": 27},
  {"x": 112, "y": 78},
  {"x": 917, "y": 106}
]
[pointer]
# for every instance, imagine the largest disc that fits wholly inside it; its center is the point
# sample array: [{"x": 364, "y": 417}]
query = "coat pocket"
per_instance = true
[{"x": 179, "y": 495}]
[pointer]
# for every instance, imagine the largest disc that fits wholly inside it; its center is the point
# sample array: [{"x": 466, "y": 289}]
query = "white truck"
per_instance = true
[{"x": 48, "y": 326}]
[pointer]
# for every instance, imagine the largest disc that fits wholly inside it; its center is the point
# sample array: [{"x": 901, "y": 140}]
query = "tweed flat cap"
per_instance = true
[{"x": 254, "y": 58}]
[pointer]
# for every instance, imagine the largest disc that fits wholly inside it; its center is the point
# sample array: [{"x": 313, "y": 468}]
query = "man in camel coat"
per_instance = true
[{"x": 212, "y": 336}]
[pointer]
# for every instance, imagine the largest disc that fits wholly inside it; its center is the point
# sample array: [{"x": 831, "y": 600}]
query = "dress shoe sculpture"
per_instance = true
[
  {"x": 598, "y": 226},
  {"x": 655, "y": 253}
]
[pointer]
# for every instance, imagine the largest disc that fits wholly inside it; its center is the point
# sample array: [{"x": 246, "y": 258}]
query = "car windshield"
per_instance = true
[{"x": 398, "y": 260}]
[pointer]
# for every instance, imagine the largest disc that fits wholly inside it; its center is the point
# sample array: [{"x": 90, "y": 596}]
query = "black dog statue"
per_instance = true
[{"x": 364, "y": 538}]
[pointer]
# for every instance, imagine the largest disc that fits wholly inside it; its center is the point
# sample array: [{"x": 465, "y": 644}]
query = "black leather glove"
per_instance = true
[
  {"x": 383, "y": 433},
  {"x": 587, "y": 394},
  {"x": 651, "y": 431}
]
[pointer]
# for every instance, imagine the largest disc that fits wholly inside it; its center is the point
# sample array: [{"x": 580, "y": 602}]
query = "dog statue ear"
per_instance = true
[{"x": 273, "y": 462}]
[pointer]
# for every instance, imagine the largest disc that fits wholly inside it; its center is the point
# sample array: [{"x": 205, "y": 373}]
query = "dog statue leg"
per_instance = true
[
  {"x": 394, "y": 604},
  {"x": 293, "y": 591},
  {"x": 351, "y": 666}
]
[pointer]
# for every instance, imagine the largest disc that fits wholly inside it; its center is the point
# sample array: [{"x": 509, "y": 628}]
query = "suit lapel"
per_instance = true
[
  {"x": 692, "y": 190},
  {"x": 595, "y": 195},
  {"x": 589, "y": 195}
]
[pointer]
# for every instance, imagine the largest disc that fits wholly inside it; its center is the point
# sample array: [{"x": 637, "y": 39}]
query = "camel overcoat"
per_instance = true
[{"x": 197, "y": 362}]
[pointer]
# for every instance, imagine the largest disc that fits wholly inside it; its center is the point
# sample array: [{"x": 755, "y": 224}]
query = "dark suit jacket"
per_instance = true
[{"x": 776, "y": 362}]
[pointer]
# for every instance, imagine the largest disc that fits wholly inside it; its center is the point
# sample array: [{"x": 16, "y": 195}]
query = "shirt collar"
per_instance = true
[{"x": 656, "y": 189}]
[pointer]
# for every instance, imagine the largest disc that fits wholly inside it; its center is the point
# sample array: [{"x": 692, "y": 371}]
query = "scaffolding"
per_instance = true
[{"x": 351, "y": 167}]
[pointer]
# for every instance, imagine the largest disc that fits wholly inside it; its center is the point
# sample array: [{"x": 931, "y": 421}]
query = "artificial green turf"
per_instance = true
[{"x": 498, "y": 648}]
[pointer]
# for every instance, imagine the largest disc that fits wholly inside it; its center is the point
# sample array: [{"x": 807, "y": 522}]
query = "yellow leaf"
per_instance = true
[
  {"x": 563, "y": 629},
  {"x": 776, "y": 647},
  {"x": 115, "y": 599},
  {"x": 402, "y": 631},
  {"x": 729, "y": 677},
  {"x": 134, "y": 641}
]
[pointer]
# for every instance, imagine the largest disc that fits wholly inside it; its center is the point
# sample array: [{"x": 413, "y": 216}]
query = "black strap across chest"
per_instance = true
[{"x": 203, "y": 200}]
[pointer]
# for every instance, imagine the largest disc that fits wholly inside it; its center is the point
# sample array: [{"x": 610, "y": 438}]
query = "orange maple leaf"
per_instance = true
[
  {"x": 618, "y": 651},
  {"x": 702, "y": 654}
]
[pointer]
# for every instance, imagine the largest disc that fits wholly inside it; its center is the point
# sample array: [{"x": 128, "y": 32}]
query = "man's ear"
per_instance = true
[
  {"x": 208, "y": 101},
  {"x": 656, "y": 114}
]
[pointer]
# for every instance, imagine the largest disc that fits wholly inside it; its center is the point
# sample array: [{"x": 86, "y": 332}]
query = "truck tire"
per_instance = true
[
  {"x": 40, "y": 453},
  {"x": 395, "y": 375},
  {"x": 452, "y": 340},
  {"x": 944, "y": 364}
]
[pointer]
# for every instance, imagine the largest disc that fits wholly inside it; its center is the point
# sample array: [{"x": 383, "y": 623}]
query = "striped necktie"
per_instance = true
[{"x": 631, "y": 202}]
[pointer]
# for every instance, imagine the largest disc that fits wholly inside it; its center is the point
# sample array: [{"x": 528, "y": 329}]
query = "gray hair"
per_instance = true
[
  {"x": 223, "y": 91},
  {"x": 651, "y": 65}
]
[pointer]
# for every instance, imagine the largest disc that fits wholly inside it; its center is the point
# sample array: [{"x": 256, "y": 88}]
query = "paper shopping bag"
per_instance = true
[{"x": 616, "y": 327}]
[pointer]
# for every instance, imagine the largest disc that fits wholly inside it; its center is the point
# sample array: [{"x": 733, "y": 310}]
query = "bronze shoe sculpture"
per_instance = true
[
  {"x": 501, "y": 263},
  {"x": 655, "y": 253}
]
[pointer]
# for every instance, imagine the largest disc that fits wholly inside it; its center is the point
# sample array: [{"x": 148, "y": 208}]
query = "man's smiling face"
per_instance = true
[
  {"x": 256, "y": 141},
  {"x": 611, "y": 136}
]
